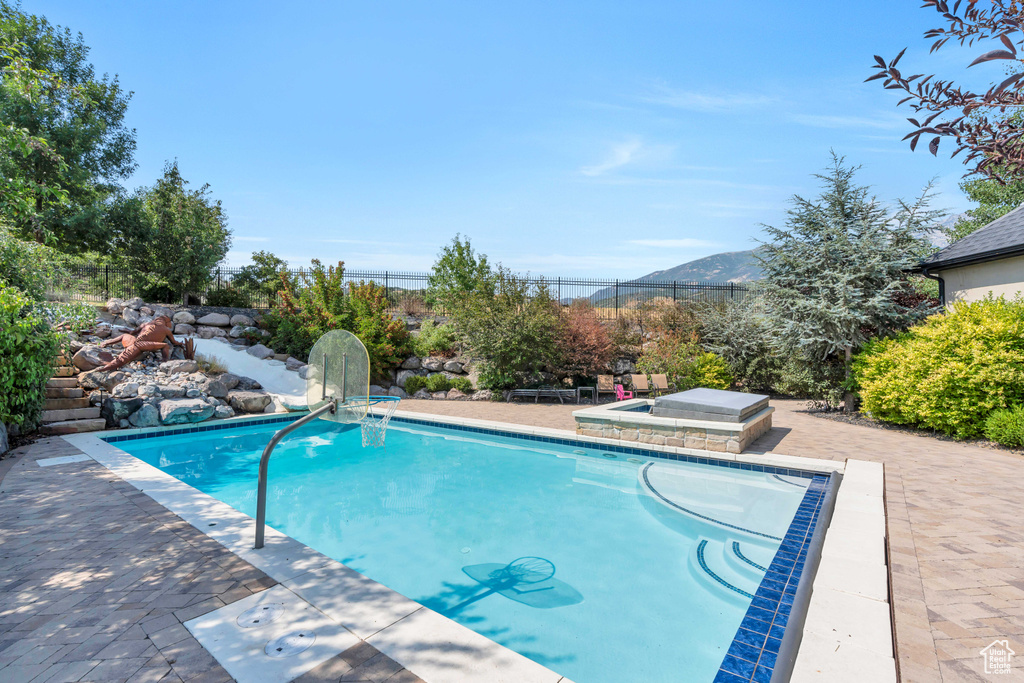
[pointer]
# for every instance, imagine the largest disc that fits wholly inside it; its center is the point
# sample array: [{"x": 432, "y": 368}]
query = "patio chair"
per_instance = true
[
  {"x": 640, "y": 385},
  {"x": 621, "y": 394},
  {"x": 605, "y": 385},
  {"x": 659, "y": 384}
]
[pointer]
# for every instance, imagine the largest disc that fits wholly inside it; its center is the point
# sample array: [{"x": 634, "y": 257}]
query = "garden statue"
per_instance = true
[{"x": 147, "y": 337}]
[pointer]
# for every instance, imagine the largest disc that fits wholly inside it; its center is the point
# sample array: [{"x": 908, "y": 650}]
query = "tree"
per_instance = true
[
  {"x": 994, "y": 199},
  {"x": 173, "y": 235},
  {"x": 977, "y": 122},
  {"x": 81, "y": 118},
  {"x": 457, "y": 272},
  {"x": 511, "y": 327},
  {"x": 262, "y": 276},
  {"x": 583, "y": 343},
  {"x": 835, "y": 274}
]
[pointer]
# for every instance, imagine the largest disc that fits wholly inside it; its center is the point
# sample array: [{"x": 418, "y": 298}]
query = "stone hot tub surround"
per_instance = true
[{"x": 631, "y": 421}]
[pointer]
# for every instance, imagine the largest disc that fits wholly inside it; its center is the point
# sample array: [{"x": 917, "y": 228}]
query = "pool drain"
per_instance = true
[
  {"x": 579, "y": 452},
  {"x": 260, "y": 615},
  {"x": 609, "y": 455},
  {"x": 290, "y": 644}
]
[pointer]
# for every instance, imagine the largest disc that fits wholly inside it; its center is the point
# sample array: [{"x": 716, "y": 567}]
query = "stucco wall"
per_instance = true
[{"x": 970, "y": 283}]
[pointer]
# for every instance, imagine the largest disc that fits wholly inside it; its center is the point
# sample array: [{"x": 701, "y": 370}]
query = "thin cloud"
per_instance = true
[
  {"x": 621, "y": 155},
  {"x": 685, "y": 243},
  {"x": 663, "y": 94},
  {"x": 828, "y": 121}
]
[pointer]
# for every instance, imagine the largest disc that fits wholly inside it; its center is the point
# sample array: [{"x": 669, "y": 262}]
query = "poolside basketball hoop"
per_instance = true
[{"x": 337, "y": 389}]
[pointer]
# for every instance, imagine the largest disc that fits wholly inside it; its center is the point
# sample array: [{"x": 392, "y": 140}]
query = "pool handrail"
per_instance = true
[{"x": 261, "y": 493}]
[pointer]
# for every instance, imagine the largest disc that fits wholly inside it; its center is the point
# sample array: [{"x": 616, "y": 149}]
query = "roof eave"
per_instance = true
[{"x": 995, "y": 255}]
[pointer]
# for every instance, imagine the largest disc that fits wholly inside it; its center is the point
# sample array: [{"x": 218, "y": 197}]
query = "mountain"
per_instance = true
[{"x": 730, "y": 266}]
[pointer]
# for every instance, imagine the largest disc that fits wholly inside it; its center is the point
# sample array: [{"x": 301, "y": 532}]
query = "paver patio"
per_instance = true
[{"x": 96, "y": 578}]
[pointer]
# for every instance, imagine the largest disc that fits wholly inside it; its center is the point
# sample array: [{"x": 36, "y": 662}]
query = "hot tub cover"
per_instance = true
[{"x": 710, "y": 404}]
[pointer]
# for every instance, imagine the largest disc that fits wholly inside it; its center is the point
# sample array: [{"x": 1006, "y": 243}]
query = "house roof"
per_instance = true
[{"x": 1002, "y": 238}]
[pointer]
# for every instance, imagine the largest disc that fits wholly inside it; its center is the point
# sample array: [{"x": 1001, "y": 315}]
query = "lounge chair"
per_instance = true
[
  {"x": 621, "y": 394},
  {"x": 605, "y": 385},
  {"x": 659, "y": 384},
  {"x": 640, "y": 385}
]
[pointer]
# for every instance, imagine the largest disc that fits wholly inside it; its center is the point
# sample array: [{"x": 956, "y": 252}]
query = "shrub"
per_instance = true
[
  {"x": 458, "y": 272},
  {"x": 209, "y": 364},
  {"x": 462, "y": 384},
  {"x": 30, "y": 267},
  {"x": 438, "y": 382},
  {"x": 229, "y": 296},
  {"x": 1006, "y": 427},
  {"x": 741, "y": 333},
  {"x": 67, "y": 320},
  {"x": 386, "y": 339},
  {"x": 949, "y": 373},
  {"x": 512, "y": 327},
  {"x": 434, "y": 338},
  {"x": 27, "y": 348},
  {"x": 414, "y": 384},
  {"x": 685, "y": 363},
  {"x": 583, "y": 345}
]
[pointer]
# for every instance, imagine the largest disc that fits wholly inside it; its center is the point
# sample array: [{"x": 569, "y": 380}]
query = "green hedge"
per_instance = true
[
  {"x": 1006, "y": 427},
  {"x": 949, "y": 373},
  {"x": 27, "y": 348},
  {"x": 437, "y": 382}
]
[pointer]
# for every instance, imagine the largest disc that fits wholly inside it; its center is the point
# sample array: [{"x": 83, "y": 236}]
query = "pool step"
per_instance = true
[
  {"x": 708, "y": 564},
  {"x": 66, "y": 403},
  {"x": 73, "y": 427}
]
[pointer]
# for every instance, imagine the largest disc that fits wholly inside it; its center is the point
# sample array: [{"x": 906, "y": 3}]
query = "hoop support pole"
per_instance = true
[{"x": 261, "y": 492}]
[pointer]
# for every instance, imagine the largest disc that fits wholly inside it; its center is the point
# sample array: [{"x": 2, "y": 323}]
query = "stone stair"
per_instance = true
[{"x": 67, "y": 409}]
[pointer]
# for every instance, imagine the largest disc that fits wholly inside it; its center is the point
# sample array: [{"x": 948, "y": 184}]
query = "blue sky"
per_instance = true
[{"x": 575, "y": 138}]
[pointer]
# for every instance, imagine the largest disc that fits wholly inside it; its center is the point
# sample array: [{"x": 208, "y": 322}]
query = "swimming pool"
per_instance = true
[{"x": 638, "y": 568}]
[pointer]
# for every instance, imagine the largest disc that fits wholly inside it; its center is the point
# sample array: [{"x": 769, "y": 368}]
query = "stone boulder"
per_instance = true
[
  {"x": 184, "y": 328},
  {"x": 171, "y": 390},
  {"x": 131, "y": 316},
  {"x": 453, "y": 366},
  {"x": 207, "y": 332},
  {"x": 96, "y": 379},
  {"x": 164, "y": 311},
  {"x": 178, "y": 411},
  {"x": 172, "y": 367},
  {"x": 259, "y": 351},
  {"x": 184, "y": 317},
  {"x": 398, "y": 391},
  {"x": 229, "y": 380},
  {"x": 134, "y": 302},
  {"x": 454, "y": 394},
  {"x": 125, "y": 390},
  {"x": 403, "y": 376},
  {"x": 149, "y": 390},
  {"x": 115, "y": 306},
  {"x": 377, "y": 390},
  {"x": 249, "y": 401},
  {"x": 432, "y": 364},
  {"x": 146, "y": 416},
  {"x": 411, "y": 363},
  {"x": 248, "y": 384},
  {"x": 5, "y": 445},
  {"x": 293, "y": 364},
  {"x": 439, "y": 395},
  {"x": 236, "y": 331},
  {"x": 481, "y": 395},
  {"x": 146, "y": 310},
  {"x": 242, "y": 321},
  {"x": 423, "y": 395},
  {"x": 215, "y": 387},
  {"x": 223, "y": 412},
  {"x": 91, "y": 356},
  {"x": 215, "y": 319},
  {"x": 113, "y": 410},
  {"x": 623, "y": 366},
  {"x": 303, "y": 372},
  {"x": 102, "y": 330}
]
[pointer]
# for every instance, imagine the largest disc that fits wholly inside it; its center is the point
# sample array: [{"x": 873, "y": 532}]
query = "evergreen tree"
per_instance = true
[{"x": 835, "y": 274}]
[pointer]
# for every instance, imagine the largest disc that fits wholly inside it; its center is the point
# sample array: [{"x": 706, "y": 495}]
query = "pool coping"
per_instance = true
[{"x": 398, "y": 626}]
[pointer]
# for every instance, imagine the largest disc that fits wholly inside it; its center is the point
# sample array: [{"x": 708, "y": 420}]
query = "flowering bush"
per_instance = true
[
  {"x": 685, "y": 363},
  {"x": 27, "y": 347}
]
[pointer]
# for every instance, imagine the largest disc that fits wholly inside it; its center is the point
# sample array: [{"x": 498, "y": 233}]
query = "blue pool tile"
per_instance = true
[
  {"x": 744, "y": 651},
  {"x": 762, "y": 674},
  {"x": 726, "y": 677},
  {"x": 740, "y": 667},
  {"x": 750, "y": 638}
]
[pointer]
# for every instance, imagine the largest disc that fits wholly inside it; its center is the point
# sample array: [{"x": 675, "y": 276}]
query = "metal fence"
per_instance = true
[{"x": 406, "y": 291}]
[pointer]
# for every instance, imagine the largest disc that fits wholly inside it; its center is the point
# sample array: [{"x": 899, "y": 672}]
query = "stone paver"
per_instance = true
[
  {"x": 96, "y": 579},
  {"x": 88, "y": 564}
]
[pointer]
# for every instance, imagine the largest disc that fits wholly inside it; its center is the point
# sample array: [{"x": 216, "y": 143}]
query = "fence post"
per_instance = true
[
  {"x": 673, "y": 291},
  {"x": 732, "y": 290},
  {"x": 106, "y": 281},
  {"x": 387, "y": 289},
  {"x": 616, "y": 298},
  {"x": 559, "y": 291}
]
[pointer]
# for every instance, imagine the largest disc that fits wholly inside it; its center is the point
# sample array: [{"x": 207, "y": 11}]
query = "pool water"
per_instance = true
[{"x": 603, "y": 567}]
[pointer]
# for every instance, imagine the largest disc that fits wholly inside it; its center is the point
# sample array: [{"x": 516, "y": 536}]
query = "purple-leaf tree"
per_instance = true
[{"x": 982, "y": 124}]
